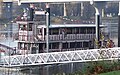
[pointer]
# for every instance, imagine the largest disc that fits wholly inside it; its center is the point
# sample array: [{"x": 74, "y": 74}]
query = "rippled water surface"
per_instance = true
[{"x": 45, "y": 69}]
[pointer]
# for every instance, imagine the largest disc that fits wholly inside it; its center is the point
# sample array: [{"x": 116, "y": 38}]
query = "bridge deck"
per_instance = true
[{"x": 60, "y": 57}]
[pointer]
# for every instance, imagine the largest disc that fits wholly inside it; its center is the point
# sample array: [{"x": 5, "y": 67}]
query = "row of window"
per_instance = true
[
  {"x": 25, "y": 27},
  {"x": 56, "y": 31},
  {"x": 65, "y": 45},
  {"x": 69, "y": 45},
  {"x": 82, "y": 30}
]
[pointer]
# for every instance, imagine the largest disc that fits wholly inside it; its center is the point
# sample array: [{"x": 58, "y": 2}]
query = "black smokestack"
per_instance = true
[
  {"x": 48, "y": 11},
  {"x": 31, "y": 12}
]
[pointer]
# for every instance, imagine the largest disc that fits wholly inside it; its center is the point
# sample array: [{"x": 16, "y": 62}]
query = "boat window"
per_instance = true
[
  {"x": 3, "y": 54},
  {"x": 65, "y": 45},
  {"x": 93, "y": 30},
  {"x": 50, "y": 45},
  {"x": 44, "y": 31},
  {"x": 55, "y": 45},
  {"x": 25, "y": 46},
  {"x": 85, "y": 44},
  {"x": 40, "y": 31},
  {"x": 29, "y": 45},
  {"x": 23, "y": 27},
  {"x": 63, "y": 30},
  {"x": 83, "y": 30},
  {"x": 72, "y": 44},
  {"x": 40, "y": 18},
  {"x": 78, "y": 44},
  {"x": 54, "y": 31},
  {"x": 73, "y": 30},
  {"x": 69, "y": 30},
  {"x": 50, "y": 31},
  {"x": 21, "y": 46},
  {"x": 77, "y": 30},
  {"x": 30, "y": 27},
  {"x": 89, "y": 30}
]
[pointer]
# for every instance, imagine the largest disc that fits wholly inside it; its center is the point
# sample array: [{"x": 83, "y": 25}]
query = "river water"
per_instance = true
[{"x": 46, "y": 69}]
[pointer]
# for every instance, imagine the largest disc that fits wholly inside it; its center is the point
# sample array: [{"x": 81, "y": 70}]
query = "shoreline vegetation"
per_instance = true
[
  {"x": 111, "y": 73},
  {"x": 98, "y": 68}
]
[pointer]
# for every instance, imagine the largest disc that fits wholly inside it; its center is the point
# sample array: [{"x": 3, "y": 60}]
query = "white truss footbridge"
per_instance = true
[{"x": 60, "y": 57}]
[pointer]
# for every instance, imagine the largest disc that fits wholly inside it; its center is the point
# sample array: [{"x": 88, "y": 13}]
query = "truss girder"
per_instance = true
[{"x": 61, "y": 57}]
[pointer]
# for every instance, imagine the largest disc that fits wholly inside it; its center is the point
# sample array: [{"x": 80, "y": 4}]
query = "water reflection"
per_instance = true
[
  {"x": 56, "y": 69},
  {"x": 46, "y": 69}
]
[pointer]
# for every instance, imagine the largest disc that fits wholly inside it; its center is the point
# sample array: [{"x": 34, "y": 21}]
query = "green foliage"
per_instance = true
[
  {"x": 111, "y": 73},
  {"x": 102, "y": 67},
  {"x": 98, "y": 67}
]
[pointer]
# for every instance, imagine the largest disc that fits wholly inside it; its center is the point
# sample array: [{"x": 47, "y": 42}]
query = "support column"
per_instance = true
[
  {"x": 48, "y": 10},
  {"x": 103, "y": 15},
  {"x": 97, "y": 19},
  {"x": 119, "y": 26},
  {"x": 47, "y": 27},
  {"x": 65, "y": 13},
  {"x": 60, "y": 46},
  {"x": 43, "y": 36},
  {"x": 82, "y": 7},
  {"x": 97, "y": 22},
  {"x": 31, "y": 12}
]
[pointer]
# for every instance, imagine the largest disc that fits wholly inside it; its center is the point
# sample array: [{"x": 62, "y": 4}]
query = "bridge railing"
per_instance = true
[{"x": 61, "y": 57}]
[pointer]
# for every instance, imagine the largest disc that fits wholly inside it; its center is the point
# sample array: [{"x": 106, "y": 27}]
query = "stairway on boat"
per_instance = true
[{"x": 7, "y": 46}]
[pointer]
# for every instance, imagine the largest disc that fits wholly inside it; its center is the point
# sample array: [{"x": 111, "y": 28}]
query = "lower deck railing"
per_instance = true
[{"x": 57, "y": 37}]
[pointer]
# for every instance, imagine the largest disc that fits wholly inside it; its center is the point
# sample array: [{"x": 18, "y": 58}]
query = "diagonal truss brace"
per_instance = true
[{"x": 61, "y": 57}]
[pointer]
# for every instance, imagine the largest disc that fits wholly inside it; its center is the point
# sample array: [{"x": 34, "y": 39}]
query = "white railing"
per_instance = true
[
  {"x": 72, "y": 37},
  {"x": 61, "y": 57}
]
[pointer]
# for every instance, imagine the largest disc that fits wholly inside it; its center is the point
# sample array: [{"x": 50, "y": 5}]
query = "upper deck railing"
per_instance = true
[{"x": 68, "y": 37}]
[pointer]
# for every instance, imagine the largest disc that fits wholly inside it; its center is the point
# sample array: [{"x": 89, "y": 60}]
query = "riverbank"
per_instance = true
[
  {"x": 111, "y": 73},
  {"x": 98, "y": 68}
]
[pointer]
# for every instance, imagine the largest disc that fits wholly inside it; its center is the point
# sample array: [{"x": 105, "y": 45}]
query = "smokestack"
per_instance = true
[
  {"x": 48, "y": 11},
  {"x": 47, "y": 28},
  {"x": 31, "y": 12}
]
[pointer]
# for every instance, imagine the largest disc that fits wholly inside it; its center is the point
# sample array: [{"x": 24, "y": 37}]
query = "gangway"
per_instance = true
[
  {"x": 60, "y": 57},
  {"x": 8, "y": 50}
]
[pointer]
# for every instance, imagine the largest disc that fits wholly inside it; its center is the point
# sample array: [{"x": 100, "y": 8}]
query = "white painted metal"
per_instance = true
[
  {"x": 68, "y": 25},
  {"x": 119, "y": 9},
  {"x": 7, "y": 0},
  {"x": 40, "y": 12},
  {"x": 58, "y": 1},
  {"x": 61, "y": 57},
  {"x": 29, "y": 1}
]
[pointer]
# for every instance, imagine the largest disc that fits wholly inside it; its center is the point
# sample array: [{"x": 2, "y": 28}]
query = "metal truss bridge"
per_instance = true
[{"x": 60, "y": 57}]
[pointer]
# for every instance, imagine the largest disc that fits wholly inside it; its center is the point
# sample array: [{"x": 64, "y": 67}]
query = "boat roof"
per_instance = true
[{"x": 69, "y": 25}]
